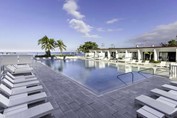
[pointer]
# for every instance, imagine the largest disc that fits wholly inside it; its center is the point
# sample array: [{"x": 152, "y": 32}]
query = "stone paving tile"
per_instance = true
[
  {"x": 95, "y": 114},
  {"x": 106, "y": 113},
  {"x": 74, "y": 106},
  {"x": 64, "y": 107},
  {"x": 71, "y": 114},
  {"x": 58, "y": 113},
  {"x": 72, "y": 100},
  {"x": 87, "y": 108},
  {"x": 82, "y": 114}
]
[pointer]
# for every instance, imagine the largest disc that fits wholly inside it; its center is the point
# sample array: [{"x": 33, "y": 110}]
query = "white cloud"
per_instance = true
[
  {"x": 113, "y": 20},
  {"x": 92, "y": 36},
  {"x": 108, "y": 30},
  {"x": 161, "y": 33},
  {"x": 77, "y": 22},
  {"x": 114, "y": 30},
  {"x": 82, "y": 27},
  {"x": 72, "y": 8}
]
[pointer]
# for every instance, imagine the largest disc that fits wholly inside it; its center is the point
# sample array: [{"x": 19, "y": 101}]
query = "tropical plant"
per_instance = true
[
  {"x": 87, "y": 46},
  {"x": 47, "y": 44},
  {"x": 170, "y": 43},
  {"x": 59, "y": 44},
  {"x": 163, "y": 44},
  {"x": 149, "y": 53}
]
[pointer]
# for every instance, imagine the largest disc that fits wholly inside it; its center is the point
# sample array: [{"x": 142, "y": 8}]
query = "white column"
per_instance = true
[
  {"x": 155, "y": 55},
  {"x": 176, "y": 55},
  {"x": 139, "y": 55},
  {"x": 95, "y": 54},
  {"x": 117, "y": 55},
  {"x": 126, "y": 53},
  {"x": 109, "y": 55}
]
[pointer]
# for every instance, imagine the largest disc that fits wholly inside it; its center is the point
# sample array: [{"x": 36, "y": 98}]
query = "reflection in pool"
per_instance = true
[{"x": 97, "y": 76}]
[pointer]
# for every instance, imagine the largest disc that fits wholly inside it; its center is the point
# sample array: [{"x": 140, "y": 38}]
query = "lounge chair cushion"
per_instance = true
[
  {"x": 160, "y": 106},
  {"x": 20, "y": 90},
  {"x": 149, "y": 112},
  {"x": 173, "y": 82},
  {"x": 21, "y": 99},
  {"x": 12, "y": 69},
  {"x": 36, "y": 82},
  {"x": 5, "y": 89},
  {"x": 28, "y": 99},
  {"x": 19, "y": 80},
  {"x": 160, "y": 92},
  {"x": 169, "y": 87},
  {"x": 167, "y": 101},
  {"x": 20, "y": 76},
  {"x": 4, "y": 102},
  {"x": 33, "y": 112}
]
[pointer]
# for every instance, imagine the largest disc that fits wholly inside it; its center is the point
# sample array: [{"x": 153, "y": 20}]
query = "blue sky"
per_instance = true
[{"x": 124, "y": 23}]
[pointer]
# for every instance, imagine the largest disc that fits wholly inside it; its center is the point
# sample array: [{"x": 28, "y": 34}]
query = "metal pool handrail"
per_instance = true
[
  {"x": 145, "y": 70},
  {"x": 125, "y": 74},
  {"x": 139, "y": 72},
  {"x": 118, "y": 76},
  {"x": 153, "y": 73}
]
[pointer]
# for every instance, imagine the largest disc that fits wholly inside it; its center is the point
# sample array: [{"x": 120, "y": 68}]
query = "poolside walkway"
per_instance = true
[{"x": 71, "y": 100}]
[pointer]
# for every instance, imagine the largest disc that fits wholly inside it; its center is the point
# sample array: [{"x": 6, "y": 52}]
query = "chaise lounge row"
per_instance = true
[
  {"x": 164, "y": 105},
  {"x": 21, "y": 94}
]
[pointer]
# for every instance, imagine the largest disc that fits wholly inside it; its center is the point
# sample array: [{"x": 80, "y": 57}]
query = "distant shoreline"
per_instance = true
[{"x": 38, "y": 53}]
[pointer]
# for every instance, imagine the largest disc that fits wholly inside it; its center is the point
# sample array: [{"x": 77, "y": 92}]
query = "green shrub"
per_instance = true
[
  {"x": 44, "y": 56},
  {"x": 152, "y": 61},
  {"x": 69, "y": 55}
]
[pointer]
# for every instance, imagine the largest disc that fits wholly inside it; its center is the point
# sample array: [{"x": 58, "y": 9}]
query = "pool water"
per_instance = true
[{"x": 98, "y": 77}]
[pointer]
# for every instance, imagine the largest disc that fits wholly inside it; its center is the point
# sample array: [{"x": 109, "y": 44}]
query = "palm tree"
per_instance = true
[
  {"x": 60, "y": 45},
  {"x": 47, "y": 44}
]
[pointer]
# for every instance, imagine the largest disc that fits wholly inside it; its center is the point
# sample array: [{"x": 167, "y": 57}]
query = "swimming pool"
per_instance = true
[{"x": 99, "y": 77}]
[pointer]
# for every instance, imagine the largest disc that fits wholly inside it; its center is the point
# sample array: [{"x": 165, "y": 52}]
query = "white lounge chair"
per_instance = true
[
  {"x": 139, "y": 62},
  {"x": 173, "y": 83},
  {"x": 21, "y": 65},
  {"x": 14, "y": 81},
  {"x": 148, "y": 112},
  {"x": 166, "y": 94},
  {"x": 144, "y": 63},
  {"x": 20, "y": 90},
  {"x": 21, "y": 99},
  {"x": 22, "y": 111},
  {"x": 157, "y": 105},
  {"x": 20, "y": 76},
  {"x": 161, "y": 64},
  {"x": 167, "y": 101},
  {"x": 169, "y": 87},
  {"x": 14, "y": 70},
  {"x": 132, "y": 61},
  {"x": 11, "y": 85}
]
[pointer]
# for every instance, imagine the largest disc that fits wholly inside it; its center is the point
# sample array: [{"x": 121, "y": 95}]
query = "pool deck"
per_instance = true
[{"x": 71, "y": 100}]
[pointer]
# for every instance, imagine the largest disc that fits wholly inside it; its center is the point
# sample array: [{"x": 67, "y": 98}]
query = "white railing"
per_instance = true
[
  {"x": 16, "y": 59},
  {"x": 173, "y": 71}
]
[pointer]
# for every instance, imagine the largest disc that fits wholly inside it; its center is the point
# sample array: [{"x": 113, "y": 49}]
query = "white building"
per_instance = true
[{"x": 138, "y": 53}]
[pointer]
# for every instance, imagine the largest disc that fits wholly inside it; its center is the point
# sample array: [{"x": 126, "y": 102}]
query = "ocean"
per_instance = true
[{"x": 40, "y": 53}]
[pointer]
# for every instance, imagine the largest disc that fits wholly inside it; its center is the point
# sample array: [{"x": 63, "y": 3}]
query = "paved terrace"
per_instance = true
[{"x": 71, "y": 100}]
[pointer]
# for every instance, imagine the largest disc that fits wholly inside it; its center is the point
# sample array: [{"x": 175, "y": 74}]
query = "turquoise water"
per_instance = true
[{"x": 99, "y": 77}]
